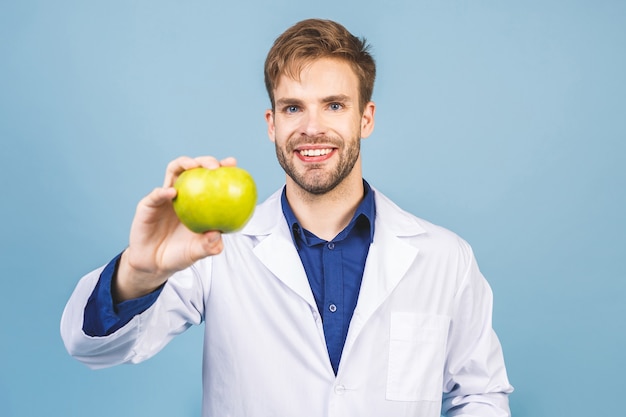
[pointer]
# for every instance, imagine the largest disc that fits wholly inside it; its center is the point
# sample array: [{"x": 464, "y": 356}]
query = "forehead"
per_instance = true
[{"x": 321, "y": 77}]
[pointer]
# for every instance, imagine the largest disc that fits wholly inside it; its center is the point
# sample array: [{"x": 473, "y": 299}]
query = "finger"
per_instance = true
[
  {"x": 159, "y": 196},
  {"x": 210, "y": 244},
  {"x": 178, "y": 165},
  {"x": 228, "y": 162},
  {"x": 175, "y": 167},
  {"x": 209, "y": 162}
]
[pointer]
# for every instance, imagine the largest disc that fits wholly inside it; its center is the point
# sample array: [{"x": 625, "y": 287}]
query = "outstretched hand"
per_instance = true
[{"x": 159, "y": 244}]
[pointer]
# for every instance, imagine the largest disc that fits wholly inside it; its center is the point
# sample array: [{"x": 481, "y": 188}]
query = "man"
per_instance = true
[{"x": 332, "y": 301}]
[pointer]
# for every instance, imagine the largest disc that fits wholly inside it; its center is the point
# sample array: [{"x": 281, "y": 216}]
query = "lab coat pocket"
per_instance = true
[{"x": 417, "y": 348}]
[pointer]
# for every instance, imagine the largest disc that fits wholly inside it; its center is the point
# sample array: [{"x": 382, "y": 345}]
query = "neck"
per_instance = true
[{"x": 327, "y": 214}]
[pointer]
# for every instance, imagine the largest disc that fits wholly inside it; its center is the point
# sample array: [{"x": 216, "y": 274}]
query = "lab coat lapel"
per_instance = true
[
  {"x": 389, "y": 258},
  {"x": 275, "y": 248},
  {"x": 277, "y": 252}
]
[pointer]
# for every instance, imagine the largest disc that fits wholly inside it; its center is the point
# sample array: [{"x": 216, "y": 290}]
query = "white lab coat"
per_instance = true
[{"x": 421, "y": 333}]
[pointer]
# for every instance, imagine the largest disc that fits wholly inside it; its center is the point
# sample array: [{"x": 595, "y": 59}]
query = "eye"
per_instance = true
[
  {"x": 291, "y": 109},
  {"x": 335, "y": 106}
]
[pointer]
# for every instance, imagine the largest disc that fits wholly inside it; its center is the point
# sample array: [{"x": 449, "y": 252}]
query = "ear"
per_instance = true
[
  {"x": 271, "y": 128},
  {"x": 367, "y": 119}
]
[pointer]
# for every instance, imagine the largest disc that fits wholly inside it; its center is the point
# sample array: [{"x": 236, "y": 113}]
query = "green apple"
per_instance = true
[{"x": 215, "y": 199}]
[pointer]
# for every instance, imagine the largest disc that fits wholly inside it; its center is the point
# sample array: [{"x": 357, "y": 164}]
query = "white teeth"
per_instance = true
[{"x": 315, "y": 152}]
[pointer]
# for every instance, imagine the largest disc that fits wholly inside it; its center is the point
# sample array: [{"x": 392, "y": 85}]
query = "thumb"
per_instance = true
[{"x": 210, "y": 243}]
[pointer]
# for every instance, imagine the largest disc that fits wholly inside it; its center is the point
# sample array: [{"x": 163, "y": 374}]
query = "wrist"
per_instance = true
[{"x": 130, "y": 282}]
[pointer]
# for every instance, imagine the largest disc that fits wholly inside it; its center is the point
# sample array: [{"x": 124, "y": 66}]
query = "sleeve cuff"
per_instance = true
[{"x": 102, "y": 316}]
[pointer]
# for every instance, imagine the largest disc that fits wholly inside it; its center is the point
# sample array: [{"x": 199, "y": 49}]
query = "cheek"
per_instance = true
[
  {"x": 277, "y": 132},
  {"x": 281, "y": 140},
  {"x": 351, "y": 130},
  {"x": 283, "y": 131}
]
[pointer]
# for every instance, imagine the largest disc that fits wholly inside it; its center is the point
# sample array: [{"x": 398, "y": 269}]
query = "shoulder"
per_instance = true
[
  {"x": 266, "y": 216},
  {"x": 403, "y": 224},
  {"x": 267, "y": 220}
]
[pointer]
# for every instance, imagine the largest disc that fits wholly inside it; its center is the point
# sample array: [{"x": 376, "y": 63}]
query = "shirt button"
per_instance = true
[
  {"x": 331, "y": 245},
  {"x": 332, "y": 308},
  {"x": 340, "y": 389}
]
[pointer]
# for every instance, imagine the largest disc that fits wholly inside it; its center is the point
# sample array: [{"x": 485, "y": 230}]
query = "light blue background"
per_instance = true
[{"x": 503, "y": 121}]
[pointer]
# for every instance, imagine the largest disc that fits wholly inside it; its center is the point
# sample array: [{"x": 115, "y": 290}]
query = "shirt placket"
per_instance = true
[{"x": 333, "y": 306}]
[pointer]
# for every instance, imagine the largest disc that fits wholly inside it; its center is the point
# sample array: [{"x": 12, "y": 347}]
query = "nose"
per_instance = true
[{"x": 313, "y": 124}]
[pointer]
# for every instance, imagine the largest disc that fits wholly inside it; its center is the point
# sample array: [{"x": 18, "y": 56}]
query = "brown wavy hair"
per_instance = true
[{"x": 313, "y": 39}]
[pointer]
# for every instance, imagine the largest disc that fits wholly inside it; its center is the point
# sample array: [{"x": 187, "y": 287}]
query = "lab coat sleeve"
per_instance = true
[
  {"x": 180, "y": 305},
  {"x": 475, "y": 379}
]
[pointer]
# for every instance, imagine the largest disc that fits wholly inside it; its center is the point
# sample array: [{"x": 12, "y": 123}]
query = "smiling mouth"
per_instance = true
[{"x": 315, "y": 152}]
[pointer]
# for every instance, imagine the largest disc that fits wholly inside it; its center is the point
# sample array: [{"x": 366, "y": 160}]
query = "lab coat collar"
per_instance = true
[
  {"x": 389, "y": 258},
  {"x": 268, "y": 217}
]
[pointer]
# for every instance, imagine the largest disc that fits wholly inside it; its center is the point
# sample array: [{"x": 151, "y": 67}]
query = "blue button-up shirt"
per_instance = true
[{"x": 335, "y": 269}]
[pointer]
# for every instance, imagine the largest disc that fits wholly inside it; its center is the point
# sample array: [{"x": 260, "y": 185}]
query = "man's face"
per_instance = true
[{"x": 317, "y": 126}]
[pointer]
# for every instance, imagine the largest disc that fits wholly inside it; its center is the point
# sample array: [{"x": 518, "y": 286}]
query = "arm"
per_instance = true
[
  {"x": 475, "y": 379},
  {"x": 103, "y": 315},
  {"x": 179, "y": 305},
  {"x": 160, "y": 247}
]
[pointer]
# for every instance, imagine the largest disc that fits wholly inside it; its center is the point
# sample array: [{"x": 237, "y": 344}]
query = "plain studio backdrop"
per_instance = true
[{"x": 503, "y": 121}]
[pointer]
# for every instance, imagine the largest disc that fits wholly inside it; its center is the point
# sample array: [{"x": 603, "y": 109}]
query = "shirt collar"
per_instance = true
[{"x": 365, "y": 209}]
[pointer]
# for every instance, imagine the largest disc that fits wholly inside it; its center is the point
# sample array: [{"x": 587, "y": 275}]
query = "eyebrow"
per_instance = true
[{"x": 341, "y": 98}]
